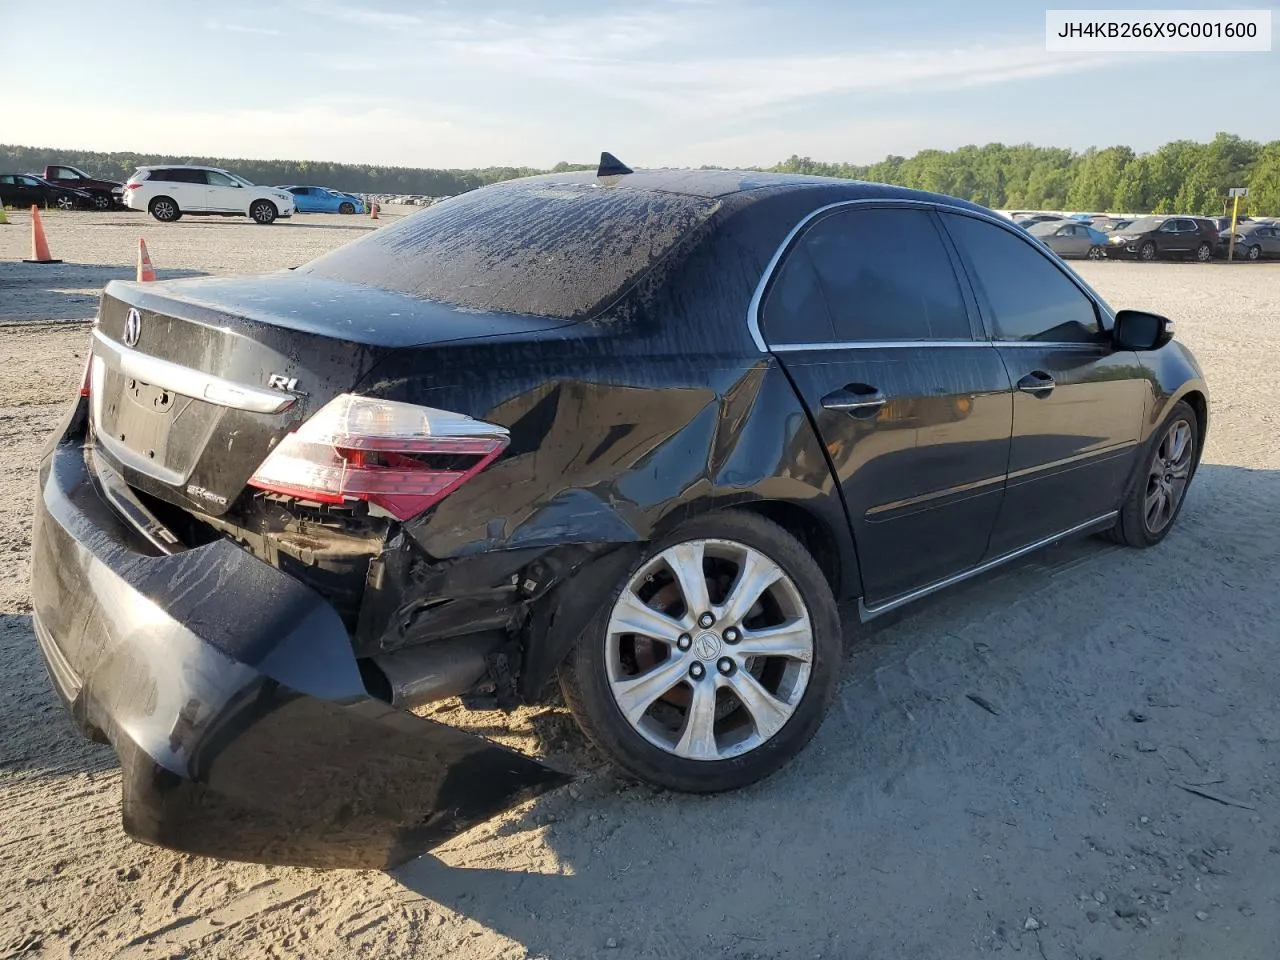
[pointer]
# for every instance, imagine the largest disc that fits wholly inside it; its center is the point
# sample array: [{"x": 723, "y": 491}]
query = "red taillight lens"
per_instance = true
[
  {"x": 132, "y": 186},
  {"x": 397, "y": 456}
]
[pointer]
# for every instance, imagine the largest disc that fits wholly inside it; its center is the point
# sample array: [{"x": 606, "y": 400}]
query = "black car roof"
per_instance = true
[{"x": 719, "y": 184}]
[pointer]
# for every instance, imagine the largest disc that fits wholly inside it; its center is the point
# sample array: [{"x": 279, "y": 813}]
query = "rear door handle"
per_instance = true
[
  {"x": 857, "y": 399},
  {"x": 1037, "y": 383}
]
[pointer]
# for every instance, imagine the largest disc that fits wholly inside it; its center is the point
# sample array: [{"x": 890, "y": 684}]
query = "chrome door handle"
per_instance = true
[
  {"x": 1038, "y": 384},
  {"x": 855, "y": 399}
]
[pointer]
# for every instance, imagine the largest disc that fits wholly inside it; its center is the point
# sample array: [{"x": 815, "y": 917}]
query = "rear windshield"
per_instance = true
[{"x": 562, "y": 251}]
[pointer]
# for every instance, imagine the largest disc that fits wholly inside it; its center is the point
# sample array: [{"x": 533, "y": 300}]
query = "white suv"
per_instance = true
[{"x": 170, "y": 191}]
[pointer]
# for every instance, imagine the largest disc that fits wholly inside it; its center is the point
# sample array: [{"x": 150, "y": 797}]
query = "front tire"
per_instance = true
[
  {"x": 101, "y": 201},
  {"x": 263, "y": 212},
  {"x": 1149, "y": 512},
  {"x": 715, "y": 659},
  {"x": 1204, "y": 253},
  {"x": 164, "y": 209},
  {"x": 1147, "y": 251}
]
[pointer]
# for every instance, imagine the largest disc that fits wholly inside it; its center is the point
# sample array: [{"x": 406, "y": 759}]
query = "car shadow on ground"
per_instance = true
[
  {"x": 1020, "y": 749},
  {"x": 63, "y": 291}
]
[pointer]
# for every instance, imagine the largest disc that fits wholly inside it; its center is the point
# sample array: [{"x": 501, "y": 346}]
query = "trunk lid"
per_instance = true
[{"x": 195, "y": 381}]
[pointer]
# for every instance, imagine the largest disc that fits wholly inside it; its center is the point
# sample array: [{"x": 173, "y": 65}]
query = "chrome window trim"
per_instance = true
[
  {"x": 757, "y": 297},
  {"x": 187, "y": 382}
]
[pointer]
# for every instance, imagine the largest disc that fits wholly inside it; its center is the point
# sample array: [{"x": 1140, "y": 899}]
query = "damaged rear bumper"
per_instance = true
[{"x": 231, "y": 696}]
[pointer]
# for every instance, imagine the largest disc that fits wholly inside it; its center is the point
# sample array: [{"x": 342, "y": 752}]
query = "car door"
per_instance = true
[
  {"x": 8, "y": 189},
  {"x": 1075, "y": 241},
  {"x": 301, "y": 199},
  {"x": 1078, "y": 403},
  {"x": 1270, "y": 240},
  {"x": 31, "y": 190},
  {"x": 1180, "y": 236},
  {"x": 224, "y": 194},
  {"x": 870, "y": 321}
]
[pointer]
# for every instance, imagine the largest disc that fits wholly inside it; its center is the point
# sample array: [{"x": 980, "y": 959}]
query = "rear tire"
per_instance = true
[
  {"x": 1254, "y": 253},
  {"x": 1204, "y": 253},
  {"x": 263, "y": 212},
  {"x": 164, "y": 209},
  {"x": 688, "y": 728},
  {"x": 1097, "y": 253},
  {"x": 65, "y": 201},
  {"x": 1169, "y": 464},
  {"x": 347, "y": 208}
]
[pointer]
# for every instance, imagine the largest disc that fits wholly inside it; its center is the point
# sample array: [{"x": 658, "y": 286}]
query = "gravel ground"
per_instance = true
[{"x": 1062, "y": 822}]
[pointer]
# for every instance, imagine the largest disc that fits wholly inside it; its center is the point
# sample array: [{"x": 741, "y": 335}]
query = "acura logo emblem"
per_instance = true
[{"x": 132, "y": 328}]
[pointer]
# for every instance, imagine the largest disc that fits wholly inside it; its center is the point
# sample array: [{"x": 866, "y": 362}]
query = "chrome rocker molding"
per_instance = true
[
  {"x": 866, "y": 613},
  {"x": 190, "y": 383}
]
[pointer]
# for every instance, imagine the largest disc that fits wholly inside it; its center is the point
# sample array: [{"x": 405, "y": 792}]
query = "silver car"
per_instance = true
[
  {"x": 1255, "y": 240},
  {"x": 1071, "y": 239}
]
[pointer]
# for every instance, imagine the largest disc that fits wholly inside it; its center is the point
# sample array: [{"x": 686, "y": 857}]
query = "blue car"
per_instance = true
[{"x": 324, "y": 200}]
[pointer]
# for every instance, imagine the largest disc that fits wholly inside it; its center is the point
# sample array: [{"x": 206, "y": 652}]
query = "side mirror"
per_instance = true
[{"x": 1140, "y": 331}]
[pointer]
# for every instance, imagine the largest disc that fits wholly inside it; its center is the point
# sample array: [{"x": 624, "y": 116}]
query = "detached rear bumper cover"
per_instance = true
[{"x": 230, "y": 694}]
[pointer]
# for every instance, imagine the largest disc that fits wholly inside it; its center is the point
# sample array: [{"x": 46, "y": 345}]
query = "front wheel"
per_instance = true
[
  {"x": 1147, "y": 251},
  {"x": 101, "y": 201},
  {"x": 1155, "y": 501},
  {"x": 1204, "y": 253},
  {"x": 263, "y": 211},
  {"x": 714, "y": 661},
  {"x": 1097, "y": 253}
]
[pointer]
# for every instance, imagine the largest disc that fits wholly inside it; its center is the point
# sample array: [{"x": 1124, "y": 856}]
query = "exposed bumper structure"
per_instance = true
[{"x": 231, "y": 696}]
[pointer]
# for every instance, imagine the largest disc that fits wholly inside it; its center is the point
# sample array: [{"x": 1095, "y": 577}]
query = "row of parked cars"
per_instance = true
[
  {"x": 1099, "y": 236},
  {"x": 169, "y": 191}
]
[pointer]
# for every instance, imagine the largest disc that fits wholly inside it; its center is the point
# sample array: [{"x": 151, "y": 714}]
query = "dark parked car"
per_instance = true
[
  {"x": 1071, "y": 240},
  {"x": 24, "y": 189},
  {"x": 1153, "y": 238},
  {"x": 642, "y": 432},
  {"x": 1254, "y": 241},
  {"x": 105, "y": 194}
]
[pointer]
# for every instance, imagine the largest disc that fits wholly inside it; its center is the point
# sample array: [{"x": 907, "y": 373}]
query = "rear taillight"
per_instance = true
[
  {"x": 132, "y": 186},
  {"x": 397, "y": 456},
  {"x": 88, "y": 374}
]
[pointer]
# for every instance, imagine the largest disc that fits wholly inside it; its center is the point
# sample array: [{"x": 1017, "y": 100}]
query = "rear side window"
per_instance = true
[
  {"x": 866, "y": 275},
  {"x": 564, "y": 251},
  {"x": 1028, "y": 297},
  {"x": 216, "y": 179}
]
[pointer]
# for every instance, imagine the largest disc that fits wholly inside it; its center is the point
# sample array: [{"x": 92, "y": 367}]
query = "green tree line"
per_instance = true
[{"x": 1180, "y": 177}]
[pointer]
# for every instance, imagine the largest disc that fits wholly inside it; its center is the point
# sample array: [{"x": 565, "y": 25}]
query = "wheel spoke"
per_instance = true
[
  {"x": 1181, "y": 472},
  {"x": 767, "y": 711},
  {"x": 755, "y": 576},
  {"x": 633, "y": 615},
  {"x": 793, "y": 640},
  {"x": 698, "y": 739},
  {"x": 636, "y": 694},
  {"x": 1178, "y": 438},
  {"x": 685, "y": 562}
]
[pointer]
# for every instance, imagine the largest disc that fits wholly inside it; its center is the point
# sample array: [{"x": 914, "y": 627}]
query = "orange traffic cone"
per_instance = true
[
  {"x": 39, "y": 246},
  {"x": 146, "y": 272},
  {"x": 373, "y": 209}
]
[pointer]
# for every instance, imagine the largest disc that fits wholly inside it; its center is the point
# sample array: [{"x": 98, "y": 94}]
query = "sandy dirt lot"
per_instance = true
[{"x": 1058, "y": 824}]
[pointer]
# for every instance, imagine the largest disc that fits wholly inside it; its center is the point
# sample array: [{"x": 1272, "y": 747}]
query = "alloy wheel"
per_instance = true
[
  {"x": 1168, "y": 477},
  {"x": 709, "y": 649},
  {"x": 1095, "y": 253},
  {"x": 65, "y": 202},
  {"x": 1204, "y": 253},
  {"x": 1255, "y": 252},
  {"x": 101, "y": 201},
  {"x": 1148, "y": 251},
  {"x": 163, "y": 210}
]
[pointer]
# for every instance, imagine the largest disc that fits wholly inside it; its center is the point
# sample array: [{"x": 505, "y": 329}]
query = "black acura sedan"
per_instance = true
[{"x": 641, "y": 432}]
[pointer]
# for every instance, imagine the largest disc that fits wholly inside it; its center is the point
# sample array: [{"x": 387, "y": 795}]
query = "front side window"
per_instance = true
[
  {"x": 885, "y": 276},
  {"x": 66, "y": 173},
  {"x": 1026, "y": 294}
]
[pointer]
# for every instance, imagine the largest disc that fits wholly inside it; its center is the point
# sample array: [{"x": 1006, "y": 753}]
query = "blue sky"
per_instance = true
[{"x": 443, "y": 83}]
